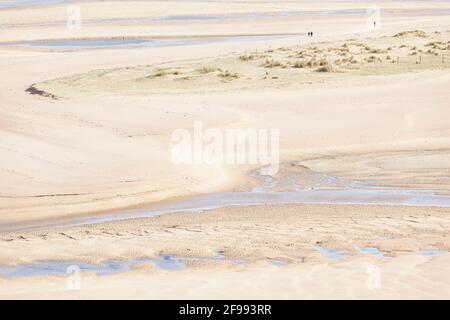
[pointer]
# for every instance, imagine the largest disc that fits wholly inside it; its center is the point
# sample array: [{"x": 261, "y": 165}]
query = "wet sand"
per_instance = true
[{"x": 272, "y": 252}]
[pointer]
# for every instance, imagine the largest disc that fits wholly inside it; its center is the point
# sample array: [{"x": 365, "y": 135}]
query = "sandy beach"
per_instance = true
[
  {"x": 276, "y": 252},
  {"x": 358, "y": 208}
]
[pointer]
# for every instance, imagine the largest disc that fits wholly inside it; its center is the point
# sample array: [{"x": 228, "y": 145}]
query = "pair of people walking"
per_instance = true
[{"x": 310, "y": 34}]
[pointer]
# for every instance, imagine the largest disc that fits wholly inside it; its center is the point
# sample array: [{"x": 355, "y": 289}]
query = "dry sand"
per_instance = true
[{"x": 103, "y": 145}]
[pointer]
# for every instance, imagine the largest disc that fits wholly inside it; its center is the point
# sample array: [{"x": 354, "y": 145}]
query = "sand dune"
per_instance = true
[{"x": 85, "y": 133}]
